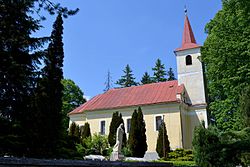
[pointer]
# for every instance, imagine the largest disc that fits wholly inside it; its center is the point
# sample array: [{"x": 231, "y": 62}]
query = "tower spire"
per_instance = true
[{"x": 188, "y": 39}]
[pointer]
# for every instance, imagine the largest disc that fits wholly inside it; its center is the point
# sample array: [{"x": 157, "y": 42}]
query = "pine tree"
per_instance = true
[
  {"x": 170, "y": 74},
  {"x": 18, "y": 59},
  {"x": 50, "y": 92},
  {"x": 115, "y": 122},
  {"x": 159, "y": 72},
  {"x": 142, "y": 138},
  {"x": 108, "y": 83},
  {"x": 137, "y": 136},
  {"x": 127, "y": 80},
  {"x": 163, "y": 145},
  {"x": 146, "y": 79},
  {"x": 20, "y": 56}
]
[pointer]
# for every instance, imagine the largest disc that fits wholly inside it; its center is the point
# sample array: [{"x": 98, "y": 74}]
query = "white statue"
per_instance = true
[
  {"x": 119, "y": 137},
  {"x": 117, "y": 154}
]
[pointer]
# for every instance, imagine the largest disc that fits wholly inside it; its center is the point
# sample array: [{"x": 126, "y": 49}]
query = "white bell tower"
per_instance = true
[{"x": 190, "y": 73}]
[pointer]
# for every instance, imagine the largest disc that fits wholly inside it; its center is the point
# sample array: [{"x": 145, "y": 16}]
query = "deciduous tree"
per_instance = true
[
  {"x": 226, "y": 57},
  {"x": 72, "y": 98},
  {"x": 245, "y": 107}
]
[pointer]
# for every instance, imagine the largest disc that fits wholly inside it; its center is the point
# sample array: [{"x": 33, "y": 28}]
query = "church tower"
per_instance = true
[
  {"x": 189, "y": 66},
  {"x": 190, "y": 73}
]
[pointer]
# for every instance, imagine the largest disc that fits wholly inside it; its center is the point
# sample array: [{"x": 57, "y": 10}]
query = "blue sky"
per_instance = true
[{"x": 108, "y": 34}]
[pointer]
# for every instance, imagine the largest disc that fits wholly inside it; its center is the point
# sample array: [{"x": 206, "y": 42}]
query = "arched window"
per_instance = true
[{"x": 188, "y": 60}]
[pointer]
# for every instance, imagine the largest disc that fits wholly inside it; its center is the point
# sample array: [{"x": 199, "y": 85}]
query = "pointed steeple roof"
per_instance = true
[{"x": 188, "y": 39}]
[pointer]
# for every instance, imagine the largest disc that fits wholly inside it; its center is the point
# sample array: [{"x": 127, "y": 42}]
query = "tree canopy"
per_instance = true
[
  {"x": 72, "y": 98},
  {"x": 226, "y": 55}
]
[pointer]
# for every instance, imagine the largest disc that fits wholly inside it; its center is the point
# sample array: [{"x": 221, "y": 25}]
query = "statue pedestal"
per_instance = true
[{"x": 115, "y": 156}]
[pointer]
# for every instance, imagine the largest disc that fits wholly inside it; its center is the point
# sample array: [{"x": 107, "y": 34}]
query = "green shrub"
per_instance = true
[
  {"x": 126, "y": 152},
  {"x": 181, "y": 155},
  {"x": 98, "y": 144}
]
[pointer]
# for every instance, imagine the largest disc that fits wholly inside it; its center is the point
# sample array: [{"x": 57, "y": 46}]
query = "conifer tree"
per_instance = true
[
  {"x": 127, "y": 79},
  {"x": 74, "y": 132},
  {"x": 170, "y": 74},
  {"x": 85, "y": 131},
  {"x": 163, "y": 145},
  {"x": 18, "y": 59},
  {"x": 137, "y": 137},
  {"x": 142, "y": 138},
  {"x": 72, "y": 129},
  {"x": 20, "y": 55},
  {"x": 77, "y": 131},
  {"x": 133, "y": 133},
  {"x": 115, "y": 122},
  {"x": 50, "y": 92},
  {"x": 146, "y": 79},
  {"x": 159, "y": 72},
  {"x": 108, "y": 83}
]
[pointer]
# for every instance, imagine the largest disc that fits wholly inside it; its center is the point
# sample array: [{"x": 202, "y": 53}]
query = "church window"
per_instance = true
[
  {"x": 102, "y": 127},
  {"x": 188, "y": 60},
  {"x": 128, "y": 125},
  {"x": 158, "y": 121}
]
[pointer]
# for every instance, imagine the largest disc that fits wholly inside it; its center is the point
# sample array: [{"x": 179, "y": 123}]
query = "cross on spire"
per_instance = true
[
  {"x": 185, "y": 10},
  {"x": 188, "y": 39}
]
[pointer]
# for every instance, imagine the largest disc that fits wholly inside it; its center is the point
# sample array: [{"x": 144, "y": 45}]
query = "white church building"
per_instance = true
[{"x": 181, "y": 103}]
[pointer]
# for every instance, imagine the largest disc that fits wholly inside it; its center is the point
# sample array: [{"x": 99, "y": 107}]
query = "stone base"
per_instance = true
[{"x": 115, "y": 156}]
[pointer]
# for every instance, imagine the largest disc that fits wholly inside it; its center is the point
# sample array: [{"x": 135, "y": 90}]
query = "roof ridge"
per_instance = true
[{"x": 140, "y": 85}]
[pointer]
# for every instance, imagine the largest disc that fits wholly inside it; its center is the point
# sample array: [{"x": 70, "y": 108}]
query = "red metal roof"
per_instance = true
[
  {"x": 162, "y": 92},
  {"x": 188, "y": 39}
]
